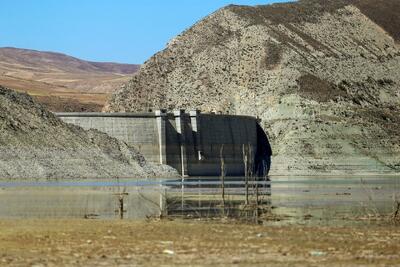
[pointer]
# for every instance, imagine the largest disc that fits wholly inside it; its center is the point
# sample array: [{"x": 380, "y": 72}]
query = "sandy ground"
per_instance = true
[{"x": 192, "y": 243}]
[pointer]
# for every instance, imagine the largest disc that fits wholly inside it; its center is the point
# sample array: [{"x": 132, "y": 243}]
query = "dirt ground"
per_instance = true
[{"x": 194, "y": 243}]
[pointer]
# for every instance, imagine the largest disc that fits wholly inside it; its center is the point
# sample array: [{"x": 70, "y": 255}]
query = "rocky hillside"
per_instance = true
[
  {"x": 61, "y": 82},
  {"x": 34, "y": 144},
  {"x": 323, "y": 75}
]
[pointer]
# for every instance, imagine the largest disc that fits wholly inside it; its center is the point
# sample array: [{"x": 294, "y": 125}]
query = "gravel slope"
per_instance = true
[{"x": 34, "y": 144}]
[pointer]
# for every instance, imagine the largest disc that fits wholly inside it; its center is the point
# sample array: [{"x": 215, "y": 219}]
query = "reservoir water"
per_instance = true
[{"x": 300, "y": 200}]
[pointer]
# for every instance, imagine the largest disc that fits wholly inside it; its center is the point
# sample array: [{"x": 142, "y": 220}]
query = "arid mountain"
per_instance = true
[
  {"x": 35, "y": 144},
  {"x": 61, "y": 82},
  {"x": 323, "y": 75}
]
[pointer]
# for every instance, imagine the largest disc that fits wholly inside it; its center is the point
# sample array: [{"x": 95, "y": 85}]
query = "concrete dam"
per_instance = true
[{"x": 194, "y": 143}]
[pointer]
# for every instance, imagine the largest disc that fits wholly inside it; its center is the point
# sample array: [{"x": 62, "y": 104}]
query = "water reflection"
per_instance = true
[
  {"x": 207, "y": 198},
  {"x": 334, "y": 200}
]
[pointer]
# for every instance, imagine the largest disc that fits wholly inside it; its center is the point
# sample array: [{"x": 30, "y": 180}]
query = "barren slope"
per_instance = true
[
  {"x": 322, "y": 75},
  {"x": 61, "y": 82},
  {"x": 34, "y": 144}
]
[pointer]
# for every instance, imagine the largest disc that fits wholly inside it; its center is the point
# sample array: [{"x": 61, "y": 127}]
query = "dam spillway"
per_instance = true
[{"x": 193, "y": 143}]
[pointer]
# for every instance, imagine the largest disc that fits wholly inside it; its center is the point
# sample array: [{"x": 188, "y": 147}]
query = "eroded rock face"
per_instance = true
[
  {"x": 34, "y": 144},
  {"x": 322, "y": 75}
]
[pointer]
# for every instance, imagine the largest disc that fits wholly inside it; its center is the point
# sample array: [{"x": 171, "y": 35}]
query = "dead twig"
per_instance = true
[{"x": 396, "y": 213}]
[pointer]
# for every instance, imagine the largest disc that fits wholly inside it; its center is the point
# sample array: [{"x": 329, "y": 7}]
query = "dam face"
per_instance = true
[{"x": 195, "y": 144}]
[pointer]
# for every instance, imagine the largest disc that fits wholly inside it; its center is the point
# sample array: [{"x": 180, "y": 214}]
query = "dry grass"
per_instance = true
[
  {"x": 58, "y": 97},
  {"x": 60, "y": 82},
  {"x": 171, "y": 243}
]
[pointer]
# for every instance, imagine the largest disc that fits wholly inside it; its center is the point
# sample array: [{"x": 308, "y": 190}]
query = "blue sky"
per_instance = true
[{"x": 126, "y": 31}]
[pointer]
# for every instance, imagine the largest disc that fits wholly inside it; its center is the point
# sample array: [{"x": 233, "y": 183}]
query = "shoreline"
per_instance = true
[{"x": 173, "y": 177}]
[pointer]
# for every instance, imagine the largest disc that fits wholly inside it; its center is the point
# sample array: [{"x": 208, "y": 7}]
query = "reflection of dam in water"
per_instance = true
[
  {"x": 193, "y": 143},
  {"x": 330, "y": 201},
  {"x": 208, "y": 198},
  {"x": 130, "y": 199}
]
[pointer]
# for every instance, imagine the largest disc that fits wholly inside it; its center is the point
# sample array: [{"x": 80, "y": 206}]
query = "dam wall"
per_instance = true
[
  {"x": 139, "y": 130},
  {"x": 195, "y": 144}
]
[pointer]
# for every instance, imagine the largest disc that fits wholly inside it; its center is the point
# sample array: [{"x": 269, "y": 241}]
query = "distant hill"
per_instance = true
[
  {"x": 323, "y": 75},
  {"x": 61, "y": 82}
]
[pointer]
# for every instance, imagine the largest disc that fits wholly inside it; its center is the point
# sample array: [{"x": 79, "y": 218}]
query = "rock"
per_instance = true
[
  {"x": 291, "y": 65},
  {"x": 169, "y": 252},
  {"x": 317, "y": 253},
  {"x": 35, "y": 144}
]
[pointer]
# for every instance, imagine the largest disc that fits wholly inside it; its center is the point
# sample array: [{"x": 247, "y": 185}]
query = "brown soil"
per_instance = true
[
  {"x": 61, "y": 82},
  {"x": 58, "y": 98},
  {"x": 319, "y": 90},
  {"x": 70, "y": 104},
  {"x": 273, "y": 55},
  {"x": 382, "y": 12},
  {"x": 171, "y": 243}
]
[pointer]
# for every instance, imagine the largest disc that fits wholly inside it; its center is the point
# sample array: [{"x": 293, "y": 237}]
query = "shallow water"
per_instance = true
[
  {"x": 334, "y": 200},
  {"x": 300, "y": 200}
]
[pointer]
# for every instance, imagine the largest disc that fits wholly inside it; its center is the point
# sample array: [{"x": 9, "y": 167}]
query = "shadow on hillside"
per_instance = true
[{"x": 262, "y": 163}]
